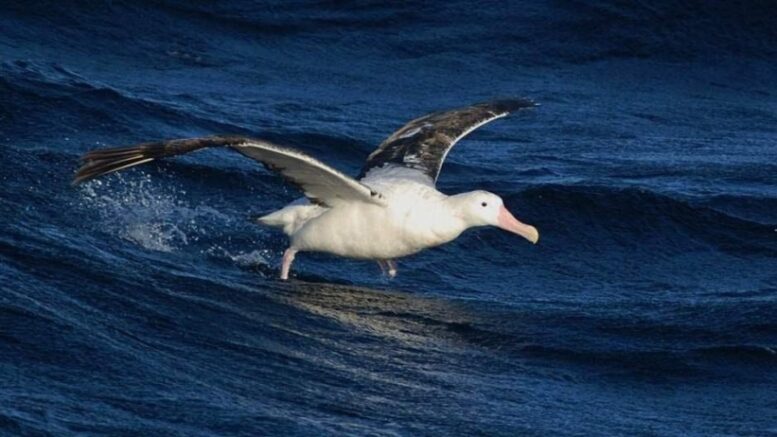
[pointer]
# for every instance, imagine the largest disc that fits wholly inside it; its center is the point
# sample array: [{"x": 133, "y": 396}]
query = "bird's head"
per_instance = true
[{"x": 481, "y": 208}]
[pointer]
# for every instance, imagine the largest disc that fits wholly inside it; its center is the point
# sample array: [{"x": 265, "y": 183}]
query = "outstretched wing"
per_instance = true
[
  {"x": 321, "y": 183},
  {"x": 423, "y": 143}
]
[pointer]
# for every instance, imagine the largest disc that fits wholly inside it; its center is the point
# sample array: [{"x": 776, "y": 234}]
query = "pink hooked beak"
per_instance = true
[{"x": 509, "y": 223}]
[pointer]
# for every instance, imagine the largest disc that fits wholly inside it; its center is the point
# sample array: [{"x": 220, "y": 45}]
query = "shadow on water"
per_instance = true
[{"x": 389, "y": 314}]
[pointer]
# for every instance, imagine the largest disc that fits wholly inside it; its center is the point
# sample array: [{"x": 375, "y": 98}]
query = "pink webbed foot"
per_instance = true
[{"x": 388, "y": 267}]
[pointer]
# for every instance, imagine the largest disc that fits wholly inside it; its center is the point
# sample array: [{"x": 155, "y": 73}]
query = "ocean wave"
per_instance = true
[
  {"x": 580, "y": 32},
  {"x": 641, "y": 215},
  {"x": 70, "y": 104},
  {"x": 562, "y": 32}
]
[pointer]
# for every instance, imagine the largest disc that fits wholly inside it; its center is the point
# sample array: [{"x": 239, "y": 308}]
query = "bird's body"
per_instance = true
[
  {"x": 414, "y": 218},
  {"x": 393, "y": 210}
]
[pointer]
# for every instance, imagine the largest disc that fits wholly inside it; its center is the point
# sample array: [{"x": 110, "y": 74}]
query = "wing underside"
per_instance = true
[{"x": 319, "y": 182}]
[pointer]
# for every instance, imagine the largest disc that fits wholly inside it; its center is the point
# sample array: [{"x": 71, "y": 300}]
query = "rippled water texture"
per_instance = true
[{"x": 147, "y": 303}]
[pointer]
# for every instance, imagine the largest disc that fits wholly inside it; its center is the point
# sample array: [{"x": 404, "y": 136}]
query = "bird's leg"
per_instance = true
[
  {"x": 288, "y": 258},
  {"x": 388, "y": 267},
  {"x": 392, "y": 268}
]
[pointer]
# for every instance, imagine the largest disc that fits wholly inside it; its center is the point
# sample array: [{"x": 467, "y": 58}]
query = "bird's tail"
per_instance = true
[
  {"x": 272, "y": 219},
  {"x": 291, "y": 217}
]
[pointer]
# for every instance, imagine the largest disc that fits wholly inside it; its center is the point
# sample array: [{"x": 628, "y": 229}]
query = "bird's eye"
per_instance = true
[{"x": 484, "y": 204}]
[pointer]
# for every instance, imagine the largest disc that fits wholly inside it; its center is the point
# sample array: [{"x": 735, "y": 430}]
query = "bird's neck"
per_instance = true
[
  {"x": 456, "y": 205},
  {"x": 431, "y": 223},
  {"x": 449, "y": 222}
]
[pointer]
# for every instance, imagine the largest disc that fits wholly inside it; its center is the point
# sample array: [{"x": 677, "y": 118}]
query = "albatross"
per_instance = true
[{"x": 390, "y": 210}]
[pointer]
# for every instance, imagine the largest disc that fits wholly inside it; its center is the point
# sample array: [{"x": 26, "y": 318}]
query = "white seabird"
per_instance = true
[{"x": 392, "y": 209}]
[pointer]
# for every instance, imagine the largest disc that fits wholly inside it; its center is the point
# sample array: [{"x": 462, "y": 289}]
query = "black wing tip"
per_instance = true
[
  {"x": 98, "y": 162},
  {"x": 93, "y": 168}
]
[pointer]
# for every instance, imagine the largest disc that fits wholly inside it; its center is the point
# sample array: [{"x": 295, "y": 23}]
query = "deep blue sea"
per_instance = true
[{"x": 147, "y": 302}]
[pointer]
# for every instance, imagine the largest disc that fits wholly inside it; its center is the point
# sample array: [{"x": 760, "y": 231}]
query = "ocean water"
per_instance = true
[{"x": 147, "y": 302}]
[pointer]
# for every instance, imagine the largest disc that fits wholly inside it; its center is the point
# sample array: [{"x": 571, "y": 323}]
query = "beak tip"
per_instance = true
[{"x": 509, "y": 223}]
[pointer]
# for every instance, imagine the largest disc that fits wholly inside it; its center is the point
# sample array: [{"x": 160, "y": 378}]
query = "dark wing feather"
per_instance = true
[
  {"x": 321, "y": 183},
  {"x": 423, "y": 143}
]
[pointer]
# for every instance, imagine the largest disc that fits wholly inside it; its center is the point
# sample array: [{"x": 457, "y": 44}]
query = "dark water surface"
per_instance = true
[{"x": 147, "y": 302}]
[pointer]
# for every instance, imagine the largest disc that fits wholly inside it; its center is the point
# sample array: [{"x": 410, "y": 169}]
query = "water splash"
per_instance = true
[
  {"x": 257, "y": 257},
  {"x": 147, "y": 213}
]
